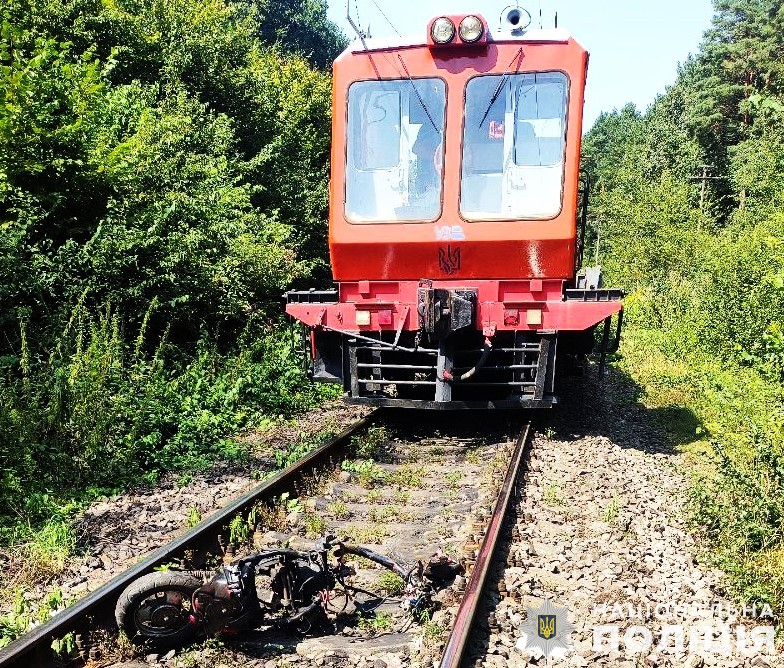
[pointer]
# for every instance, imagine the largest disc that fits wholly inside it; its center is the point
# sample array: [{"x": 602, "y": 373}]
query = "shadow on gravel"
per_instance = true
[
  {"x": 588, "y": 406},
  {"x": 415, "y": 425},
  {"x": 263, "y": 644},
  {"x": 612, "y": 407}
]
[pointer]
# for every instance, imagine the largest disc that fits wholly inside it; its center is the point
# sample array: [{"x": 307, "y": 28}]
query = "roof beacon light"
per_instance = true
[
  {"x": 471, "y": 29},
  {"x": 442, "y": 31}
]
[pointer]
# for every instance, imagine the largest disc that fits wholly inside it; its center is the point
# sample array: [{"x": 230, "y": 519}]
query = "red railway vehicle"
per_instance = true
[{"x": 455, "y": 224}]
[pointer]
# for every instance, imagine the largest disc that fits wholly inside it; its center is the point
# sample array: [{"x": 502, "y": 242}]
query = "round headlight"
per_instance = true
[
  {"x": 471, "y": 29},
  {"x": 442, "y": 30}
]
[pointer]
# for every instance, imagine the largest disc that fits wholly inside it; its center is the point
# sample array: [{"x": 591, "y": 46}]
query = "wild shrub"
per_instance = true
[
  {"x": 96, "y": 413},
  {"x": 163, "y": 179}
]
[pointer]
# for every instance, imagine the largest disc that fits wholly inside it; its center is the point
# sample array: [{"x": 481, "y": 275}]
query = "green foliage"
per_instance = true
[
  {"x": 15, "y": 623},
  {"x": 453, "y": 479},
  {"x": 168, "y": 208},
  {"x": 96, "y": 412},
  {"x": 142, "y": 172},
  {"x": 704, "y": 262},
  {"x": 315, "y": 526},
  {"x": 291, "y": 505},
  {"x": 339, "y": 510},
  {"x": 367, "y": 472},
  {"x": 739, "y": 57},
  {"x": 163, "y": 178},
  {"x": 736, "y": 447},
  {"x": 303, "y": 26},
  {"x": 610, "y": 514},
  {"x": 65, "y": 647},
  {"x": 194, "y": 517},
  {"x": 23, "y": 615},
  {"x": 371, "y": 444},
  {"x": 409, "y": 476},
  {"x": 239, "y": 530},
  {"x": 432, "y": 633},
  {"x": 389, "y": 583},
  {"x": 378, "y": 622},
  {"x": 757, "y": 170},
  {"x": 297, "y": 449}
]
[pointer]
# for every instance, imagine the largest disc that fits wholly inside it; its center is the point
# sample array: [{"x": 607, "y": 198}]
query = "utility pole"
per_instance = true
[
  {"x": 702, "y": 189},
  {"x": 704, "y": 178}
]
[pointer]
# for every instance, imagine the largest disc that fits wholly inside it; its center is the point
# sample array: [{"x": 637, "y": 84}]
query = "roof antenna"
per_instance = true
[{"x": 360, "y": 34}]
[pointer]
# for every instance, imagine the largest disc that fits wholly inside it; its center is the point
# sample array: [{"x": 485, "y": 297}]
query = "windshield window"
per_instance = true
[
  {"x": 513, "y": 146},
  {"x": 394, "y": 157}
]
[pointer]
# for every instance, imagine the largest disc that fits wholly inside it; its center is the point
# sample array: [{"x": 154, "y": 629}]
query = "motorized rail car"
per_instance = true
[{"x": 455, "y": 223}]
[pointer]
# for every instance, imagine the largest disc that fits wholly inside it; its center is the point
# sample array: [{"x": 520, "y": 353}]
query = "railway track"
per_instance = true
[
  {"x": 456, "y": 646},
  {"x": 34, "y": 649},
  {"x": 584, "y": 536}
]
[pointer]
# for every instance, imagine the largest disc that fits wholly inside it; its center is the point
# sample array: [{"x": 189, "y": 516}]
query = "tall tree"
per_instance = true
[
  {"x": 169, "y": 155},
  {"x": 742, "y": 54},
  {"x": 301, "y": 26}
]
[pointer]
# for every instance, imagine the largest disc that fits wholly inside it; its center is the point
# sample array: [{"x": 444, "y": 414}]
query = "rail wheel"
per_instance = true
[{"x": 156, "y": 609}]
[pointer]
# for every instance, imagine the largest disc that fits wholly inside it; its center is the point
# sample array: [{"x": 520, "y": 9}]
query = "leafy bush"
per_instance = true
[
  {"x": 97, "y": 413},
  {"x": 163, "y": 176},
  {"x": 373, "y": 444},
  {"x": 367, "y": 472}
]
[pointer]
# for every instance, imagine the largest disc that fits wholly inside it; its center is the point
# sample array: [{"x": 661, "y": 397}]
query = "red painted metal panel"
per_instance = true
[
  {"x": 390, "y": 304},
  {"x": 384, "y": 257},
  {"x": 497, "y": 249}
]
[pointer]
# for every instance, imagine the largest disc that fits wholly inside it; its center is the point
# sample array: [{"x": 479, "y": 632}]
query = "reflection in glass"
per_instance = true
[
  {"x": 394, "y": 158},
  {"x": 513, "y": 146}
]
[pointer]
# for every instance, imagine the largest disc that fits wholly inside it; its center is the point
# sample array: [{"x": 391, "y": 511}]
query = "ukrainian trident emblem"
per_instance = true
[
  {"x": 449, "y": 260},
  {"x": 547, "y": 628}
]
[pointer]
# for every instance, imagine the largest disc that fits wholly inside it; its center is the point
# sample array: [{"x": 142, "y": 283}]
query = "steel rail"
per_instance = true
[
  {"x": 34, "y": 647},
  {"x": 456, "y": 645}
]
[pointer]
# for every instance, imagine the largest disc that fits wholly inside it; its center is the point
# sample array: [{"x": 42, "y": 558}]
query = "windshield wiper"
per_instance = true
[
  {"x": 419, "y": 97},
  {"x": 501, "y": 83}
]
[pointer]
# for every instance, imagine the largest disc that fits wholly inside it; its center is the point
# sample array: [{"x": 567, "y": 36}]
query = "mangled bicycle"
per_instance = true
[{"x": 289, "y": 590}]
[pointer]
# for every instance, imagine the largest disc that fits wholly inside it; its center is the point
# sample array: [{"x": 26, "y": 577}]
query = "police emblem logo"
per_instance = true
[
  {"x": 547, "y": 626},
  {"x": 546, "y": 631}
]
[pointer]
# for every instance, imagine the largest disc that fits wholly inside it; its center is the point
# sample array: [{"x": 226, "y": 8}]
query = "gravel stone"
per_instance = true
[{"x": 610, "y": 533}]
